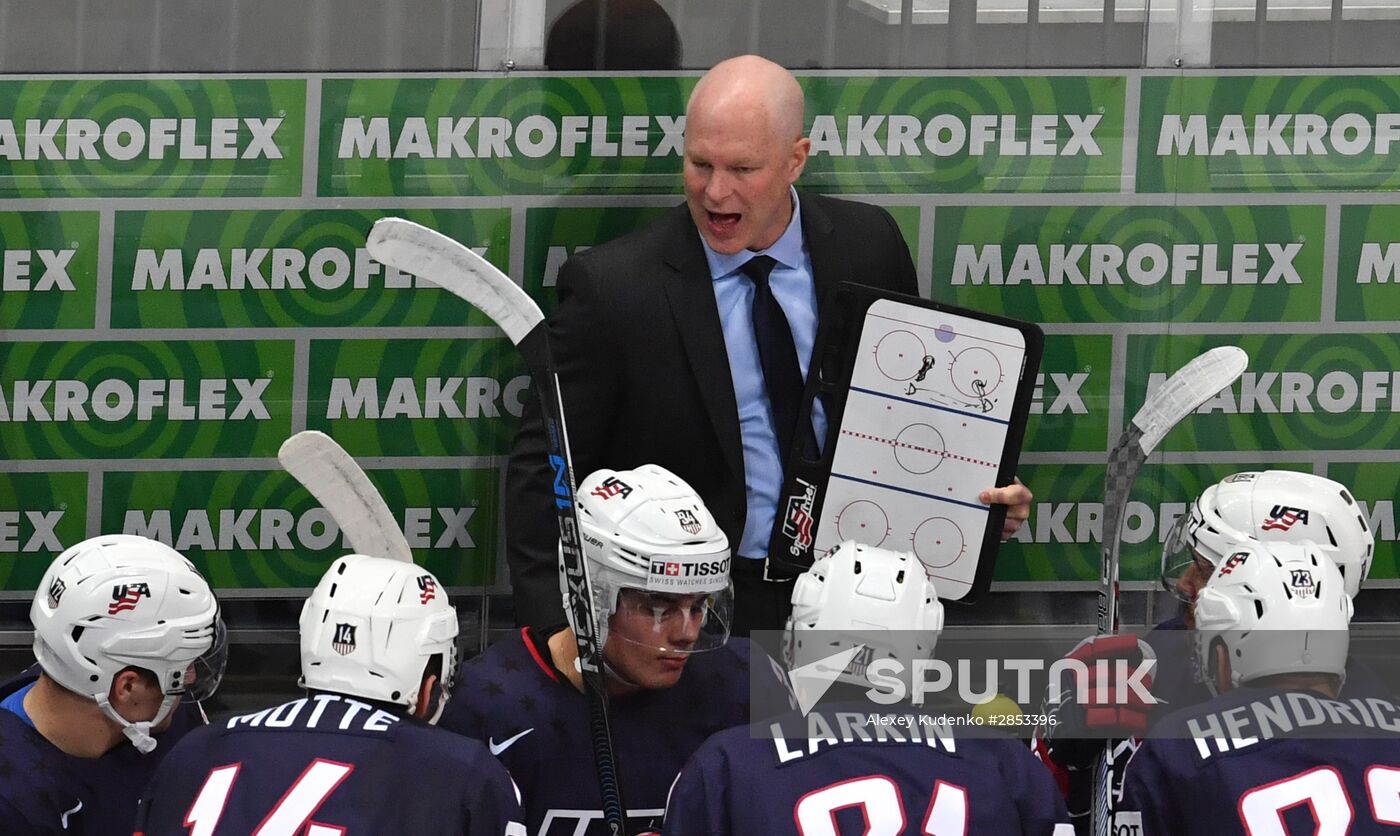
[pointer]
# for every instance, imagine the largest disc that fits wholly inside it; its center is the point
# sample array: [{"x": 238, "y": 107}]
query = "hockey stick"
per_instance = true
[
  {"x": 432, "y": 256},
  {"x": 332, "y": 476},
  {"x": 1182, "y": 393}
]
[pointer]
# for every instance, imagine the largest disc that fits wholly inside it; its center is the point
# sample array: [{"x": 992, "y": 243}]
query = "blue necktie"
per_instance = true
[{"x": 782, "y": 375}]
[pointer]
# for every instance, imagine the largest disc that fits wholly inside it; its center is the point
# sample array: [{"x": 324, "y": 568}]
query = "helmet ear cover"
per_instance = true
[{"x": 372, "y": 628}]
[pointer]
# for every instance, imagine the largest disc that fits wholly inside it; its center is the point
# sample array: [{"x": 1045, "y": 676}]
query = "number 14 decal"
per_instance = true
[{"x": 293, "y": 812}]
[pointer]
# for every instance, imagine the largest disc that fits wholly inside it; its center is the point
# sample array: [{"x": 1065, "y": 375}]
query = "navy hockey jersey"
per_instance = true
[
  {"x": 851, "y": 776},
  {"x": 1176, "y": 686},
  {"x": 1263, "y": 760},
  {"x": 537, "y": 724},
  {"x": 44, "y": 791},
  {"x": 329, "y": 764}
]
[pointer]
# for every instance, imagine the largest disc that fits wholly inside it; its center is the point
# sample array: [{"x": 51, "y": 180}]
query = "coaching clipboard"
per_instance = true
[{"x": 926, "y": 407}]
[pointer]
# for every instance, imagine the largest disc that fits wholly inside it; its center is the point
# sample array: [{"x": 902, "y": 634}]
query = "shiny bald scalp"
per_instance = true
[{"x": 753, "y": 85}]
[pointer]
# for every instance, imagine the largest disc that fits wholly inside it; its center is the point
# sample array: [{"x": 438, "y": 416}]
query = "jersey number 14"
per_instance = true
[{"x": 293, "y": 812}]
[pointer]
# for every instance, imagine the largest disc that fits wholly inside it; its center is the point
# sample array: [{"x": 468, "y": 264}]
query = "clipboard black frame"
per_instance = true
[{"x": 790, "y": 550}]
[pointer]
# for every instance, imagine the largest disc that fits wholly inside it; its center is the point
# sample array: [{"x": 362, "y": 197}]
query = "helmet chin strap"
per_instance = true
[
  {"x": 609, "y": 670},
  {"x": 437, "y": 701},
  {"x": 138, "y": 733},
  {"x": 613, "y": 672}
]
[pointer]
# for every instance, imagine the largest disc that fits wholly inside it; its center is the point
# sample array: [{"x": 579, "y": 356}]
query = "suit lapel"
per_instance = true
[
  {"x": 828, "y": 260},
  {"x": 692, "y": 297}
]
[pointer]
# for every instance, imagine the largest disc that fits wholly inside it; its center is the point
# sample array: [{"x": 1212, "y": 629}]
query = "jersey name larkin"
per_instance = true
[{"x": 736, "y": 784}]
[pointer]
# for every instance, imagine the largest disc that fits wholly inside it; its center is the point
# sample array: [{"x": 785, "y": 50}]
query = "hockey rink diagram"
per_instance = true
[{"x": 925, "y": 421}]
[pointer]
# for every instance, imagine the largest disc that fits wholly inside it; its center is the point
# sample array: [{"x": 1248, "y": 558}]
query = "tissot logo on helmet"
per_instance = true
[
  {"x": 125, "y": 596},
  {"x": 698, "y": 569},
  {"x": 611, "y": 487},
  {"x": 343, "y": 642}
]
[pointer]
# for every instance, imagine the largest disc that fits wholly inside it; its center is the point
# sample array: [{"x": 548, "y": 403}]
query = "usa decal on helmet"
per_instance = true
[
  {"x": 427, "y": 589},
  {"x": 689, "y": 522},
  {"x": 125, "y": 596},
  {"x": 1232, "y": 561},
  {"x": 611, "y": 487},
  {"x": 56, "y": 590},
  {"x": 343, "y": 642},
  {"x": 1282, "y": 518}
]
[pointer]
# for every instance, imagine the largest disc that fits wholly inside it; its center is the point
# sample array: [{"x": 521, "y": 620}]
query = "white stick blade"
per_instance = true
[
  {"x": 1193, "y": 384},
  {"x": 332, "y": 476},
  {"x": 456, "y": 268}
]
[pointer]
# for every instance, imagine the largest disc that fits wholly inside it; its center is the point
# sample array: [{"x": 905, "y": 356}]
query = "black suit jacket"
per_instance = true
[{"x": 645, "y": 375}]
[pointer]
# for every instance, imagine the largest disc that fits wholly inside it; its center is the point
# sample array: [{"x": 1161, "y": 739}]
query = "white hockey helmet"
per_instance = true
[
  {"x": 119, "y": 601},
  {"x": 859, "y": 594},
  {"x": 1274, "y": 506},
  {"x": 1278, "y": 608},
  {"x": 647, "y": 530},
  {"x": 370, "y": 628}
]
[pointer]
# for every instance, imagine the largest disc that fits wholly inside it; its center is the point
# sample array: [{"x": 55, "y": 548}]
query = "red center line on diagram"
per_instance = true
[{"x": 894, "y": 442}]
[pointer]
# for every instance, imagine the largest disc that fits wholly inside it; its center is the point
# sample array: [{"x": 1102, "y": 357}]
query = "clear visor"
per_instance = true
[
  {"x": 204, "y": 674},
  {"x": 1179, "y": 558},
  {"x": 674, "y": 622}
]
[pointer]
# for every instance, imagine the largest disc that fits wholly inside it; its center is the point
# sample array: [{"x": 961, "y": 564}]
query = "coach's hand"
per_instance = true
[{"x": 1015, "y": 495}]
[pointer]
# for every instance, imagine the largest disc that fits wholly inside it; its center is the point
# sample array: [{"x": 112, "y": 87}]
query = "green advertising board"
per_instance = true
[
  {"x": 128, "y": 400},
  {"x": 283, "y": 268},
  {"x": 41, "y": 514},
  {"x": 623, "y": 135},
  {"x": 184, "y": 283},
  {"x": 1305, "y": 393},
  {"x": 1368, "y": 284},
  {"x": 260, "y": 529},
  {"x": 1269, "y": 133},
  {"x": 48, "y": 270},
  {"x": 1070, "y": 405},
  {"x": 1103, "y": 264},
  {"x": 1376, "y": 486},
  {"x": 416, "y": 397},
  {"x": 151, "y": 137}
]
